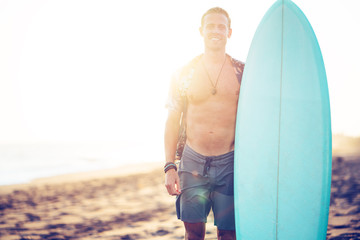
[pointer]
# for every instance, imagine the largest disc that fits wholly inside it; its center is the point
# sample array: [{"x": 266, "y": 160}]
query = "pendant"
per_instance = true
[{"x": 213, "y": 91}]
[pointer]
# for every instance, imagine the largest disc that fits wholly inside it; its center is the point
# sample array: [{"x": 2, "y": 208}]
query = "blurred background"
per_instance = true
[{"x": 83, "y": 84}]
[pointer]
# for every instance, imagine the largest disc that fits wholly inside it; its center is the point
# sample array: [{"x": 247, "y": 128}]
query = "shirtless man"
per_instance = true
[{"x": 207, "y": 90}]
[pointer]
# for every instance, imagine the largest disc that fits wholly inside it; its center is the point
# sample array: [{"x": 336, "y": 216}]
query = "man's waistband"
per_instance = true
[{"x": 190, "y": 153}]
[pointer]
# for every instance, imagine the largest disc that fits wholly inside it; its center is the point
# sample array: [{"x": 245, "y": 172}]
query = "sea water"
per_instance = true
[{"x": 21, "y": 163}]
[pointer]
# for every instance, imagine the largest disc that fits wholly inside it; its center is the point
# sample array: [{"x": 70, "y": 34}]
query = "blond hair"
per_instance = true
[{"x": 216, "y": 10}]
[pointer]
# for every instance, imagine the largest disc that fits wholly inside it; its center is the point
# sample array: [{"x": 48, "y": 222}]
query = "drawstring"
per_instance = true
[{"x": 207, "y": 166}]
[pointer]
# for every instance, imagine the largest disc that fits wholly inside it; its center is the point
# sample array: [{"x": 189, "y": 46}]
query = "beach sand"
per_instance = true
[{"x": 132, "y": 203}]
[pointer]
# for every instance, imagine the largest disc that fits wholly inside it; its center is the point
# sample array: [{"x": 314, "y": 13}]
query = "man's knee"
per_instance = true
[
  {"x": 194, "y": 231},
  {"x": 226, "y": 235}
]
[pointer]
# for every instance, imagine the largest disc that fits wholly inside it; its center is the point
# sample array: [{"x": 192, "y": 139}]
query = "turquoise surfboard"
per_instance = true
[{"x": 283, "y": 132}]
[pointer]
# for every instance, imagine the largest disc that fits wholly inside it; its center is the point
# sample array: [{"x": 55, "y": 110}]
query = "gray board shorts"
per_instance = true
[{"x": 206, "y": 182}]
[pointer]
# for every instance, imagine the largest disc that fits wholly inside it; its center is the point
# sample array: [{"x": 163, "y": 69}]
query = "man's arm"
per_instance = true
[{"x": 172, "y": 181}]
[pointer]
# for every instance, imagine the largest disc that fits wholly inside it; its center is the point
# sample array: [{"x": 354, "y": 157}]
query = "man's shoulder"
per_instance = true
[
  {"x": 190, "y": 65},
  {"x": 238, "y": 67},
  {"x": 182, "y": 77},
  {"x": 237, "y": 63},
  {"x": 186, "y": 72}
]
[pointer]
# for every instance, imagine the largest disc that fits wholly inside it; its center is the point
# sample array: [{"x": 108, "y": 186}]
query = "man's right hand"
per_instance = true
[{"x": 172, "y": 182}]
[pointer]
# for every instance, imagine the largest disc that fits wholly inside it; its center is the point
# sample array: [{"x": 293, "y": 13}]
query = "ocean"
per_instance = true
[{"x": 21, "y": 163}]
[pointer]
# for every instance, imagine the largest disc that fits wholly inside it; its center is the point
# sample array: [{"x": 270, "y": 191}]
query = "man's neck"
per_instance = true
[{"x": 214, "y": 57}]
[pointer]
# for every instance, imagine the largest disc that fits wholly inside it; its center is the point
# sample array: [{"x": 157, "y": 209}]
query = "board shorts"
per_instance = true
[{"x": 206, "y": 183}]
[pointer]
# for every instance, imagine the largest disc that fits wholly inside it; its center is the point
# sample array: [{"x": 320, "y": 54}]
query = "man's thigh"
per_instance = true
[
  {"x": 224, "y": 212},
  {"x": 193, "y": 205}
]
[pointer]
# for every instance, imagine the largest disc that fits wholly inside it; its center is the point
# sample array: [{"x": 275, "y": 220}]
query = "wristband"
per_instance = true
[{"x": 169, "y": 165}]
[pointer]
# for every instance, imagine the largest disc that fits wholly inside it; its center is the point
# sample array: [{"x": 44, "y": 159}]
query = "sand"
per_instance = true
[{"x": 132, "y": 203}]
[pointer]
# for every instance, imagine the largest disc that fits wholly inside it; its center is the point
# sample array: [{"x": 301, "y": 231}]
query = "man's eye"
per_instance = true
[{"x": 209, "y": 26}]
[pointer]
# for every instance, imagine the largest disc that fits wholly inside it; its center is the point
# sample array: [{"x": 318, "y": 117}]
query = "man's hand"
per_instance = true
[{"x": 172, "y": 182}]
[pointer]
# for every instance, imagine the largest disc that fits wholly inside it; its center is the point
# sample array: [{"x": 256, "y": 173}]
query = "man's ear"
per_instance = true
[
  {"x": 230, "y": 32},
  {"x": 201, "y": 31}
]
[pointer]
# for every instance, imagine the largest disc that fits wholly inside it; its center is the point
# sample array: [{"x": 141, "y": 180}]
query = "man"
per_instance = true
[{"x": 205, "y": 93}]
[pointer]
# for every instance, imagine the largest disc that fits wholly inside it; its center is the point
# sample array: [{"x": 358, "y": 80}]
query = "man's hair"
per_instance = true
[{"x": 216, "y": 10}]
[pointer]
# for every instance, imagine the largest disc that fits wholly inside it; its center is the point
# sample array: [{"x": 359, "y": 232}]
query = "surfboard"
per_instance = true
[{"x": 283, "y": 132}]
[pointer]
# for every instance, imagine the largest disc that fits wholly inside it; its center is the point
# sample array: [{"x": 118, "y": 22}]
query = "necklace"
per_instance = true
[{"x": 213, "y": 91}]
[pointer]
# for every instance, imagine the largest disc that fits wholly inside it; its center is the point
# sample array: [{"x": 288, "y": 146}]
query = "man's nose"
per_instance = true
[{"x": 217, "y": 30}]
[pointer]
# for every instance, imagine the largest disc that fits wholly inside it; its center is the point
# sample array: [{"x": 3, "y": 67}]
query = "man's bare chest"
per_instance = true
[{"x": 206, "y": 86}]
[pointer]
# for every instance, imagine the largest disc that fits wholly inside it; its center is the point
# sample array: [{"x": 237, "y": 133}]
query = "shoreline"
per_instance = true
[{"x": 120, "y": 171}]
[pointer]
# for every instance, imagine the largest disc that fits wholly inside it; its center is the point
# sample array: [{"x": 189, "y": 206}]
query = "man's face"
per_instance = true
[{"x": 215, "y": 31}]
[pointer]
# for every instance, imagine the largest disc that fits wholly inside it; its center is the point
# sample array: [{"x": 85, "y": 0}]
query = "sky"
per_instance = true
[{"x": 99, "y": 71}]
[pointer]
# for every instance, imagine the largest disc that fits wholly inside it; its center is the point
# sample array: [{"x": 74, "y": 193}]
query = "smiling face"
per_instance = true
[{"x": 215, "y": 31}]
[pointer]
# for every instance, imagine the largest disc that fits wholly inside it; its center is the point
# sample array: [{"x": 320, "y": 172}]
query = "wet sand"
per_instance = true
[
  {"x": 118, "y": 205},
  {"x": 344, "y": 216}
]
